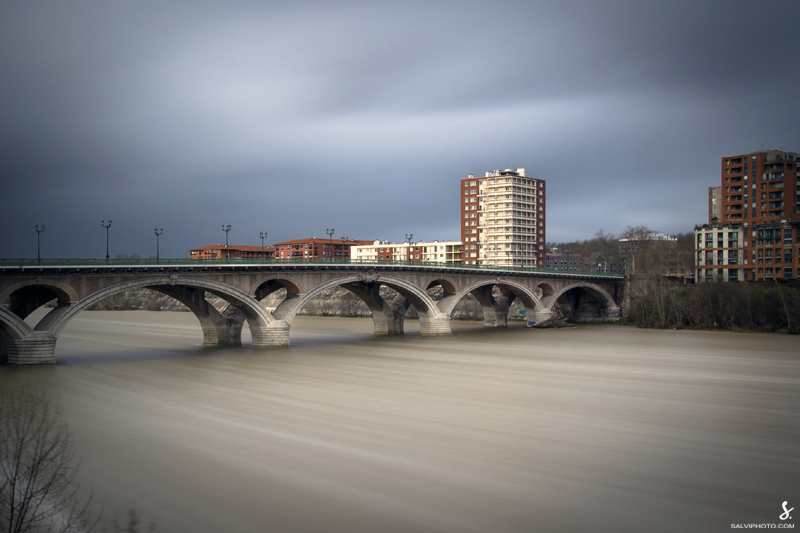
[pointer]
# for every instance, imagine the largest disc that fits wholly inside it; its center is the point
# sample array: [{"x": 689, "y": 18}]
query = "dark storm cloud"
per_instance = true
[{"x": 296, "y": 117}]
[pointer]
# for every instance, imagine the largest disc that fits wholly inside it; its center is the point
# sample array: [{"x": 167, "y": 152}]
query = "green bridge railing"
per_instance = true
[{"x": 242, "y": 261}]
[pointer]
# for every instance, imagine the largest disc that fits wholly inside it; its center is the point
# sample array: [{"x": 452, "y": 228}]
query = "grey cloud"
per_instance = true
[{"x": 301, "y": 115}]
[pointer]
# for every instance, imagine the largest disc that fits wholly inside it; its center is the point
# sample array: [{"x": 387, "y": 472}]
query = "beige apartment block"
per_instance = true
[
  {"x": 503, "y": 219},
  {"x": 719, "y": 253}
]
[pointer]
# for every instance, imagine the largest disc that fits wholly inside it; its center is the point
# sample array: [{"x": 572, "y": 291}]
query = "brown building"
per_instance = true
[
  {"x": 315, "y": 248},
  {"x": 503, "y": 219},
  {"x": 219, "y": 251},
  {"x": 760, "y": 195}
]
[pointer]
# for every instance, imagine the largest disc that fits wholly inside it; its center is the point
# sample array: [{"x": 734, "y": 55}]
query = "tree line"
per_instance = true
[
  {"x": 766, "y": 307},
  {"x": 639, "y": 254}
]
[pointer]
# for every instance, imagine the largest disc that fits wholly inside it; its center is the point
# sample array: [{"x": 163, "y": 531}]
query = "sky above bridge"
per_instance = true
[{"x": 295, "y": 117}]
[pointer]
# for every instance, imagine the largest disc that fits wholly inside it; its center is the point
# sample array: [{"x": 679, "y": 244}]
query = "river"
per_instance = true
[{"x": 595, "y": 428}]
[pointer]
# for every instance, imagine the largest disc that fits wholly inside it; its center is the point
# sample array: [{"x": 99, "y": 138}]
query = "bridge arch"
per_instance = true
[
  {"x": 495, "y": 310},
  {"x": 529, "y": 299},
  {"x": 449, "y": 286},
  {"x": 266, "y": 285},
  {"x": 257, "y": 317},
  {"x": 543, "y": 290},
  {"x": 12, "y": 326},
  {"x": 388, "y": 316},
  {"x": 26, "y": 296},
  {"x": 606, "y": 304}
]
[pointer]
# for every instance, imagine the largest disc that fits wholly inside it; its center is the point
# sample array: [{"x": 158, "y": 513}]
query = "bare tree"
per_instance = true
[
  {"x": 606, "y": 246},
  {"x": 38, "y": 473},
  {"x": 636, "y": 241}
]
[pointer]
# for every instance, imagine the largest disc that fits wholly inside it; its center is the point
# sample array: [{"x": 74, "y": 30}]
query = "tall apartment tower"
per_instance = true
[
  {"x": 760, "y": 194},
  {"x": 503, "y": 219}
]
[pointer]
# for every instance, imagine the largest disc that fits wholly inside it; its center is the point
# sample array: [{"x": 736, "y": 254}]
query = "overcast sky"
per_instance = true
[{"x": 295, "y": 117}]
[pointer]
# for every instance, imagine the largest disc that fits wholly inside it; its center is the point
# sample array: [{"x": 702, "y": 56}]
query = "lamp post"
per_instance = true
[
  {"x": 226, "y": 230},
  {"x": 158, "y": 233},
  {"x": 345, "y": 251},
  {"x": 330, "y": 233},
  {"x": 38, "y": 244},
  {"x": 409, "y": 238},
  {"x": 103, "y": 224},
  {"x": 263, "y": 235}
]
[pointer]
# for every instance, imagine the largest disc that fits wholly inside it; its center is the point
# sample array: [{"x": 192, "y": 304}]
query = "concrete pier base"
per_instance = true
[
  {"x": 270, "y": 335},
  {"x": 540, "y": 316},
  {"x": 436, "y": 325},
  {"x": 222, "y": 334},
  {"x": 37, "y": 349}
]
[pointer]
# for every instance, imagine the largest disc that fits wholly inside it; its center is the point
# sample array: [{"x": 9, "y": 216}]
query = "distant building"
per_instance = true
[
  {"x": 718, "y": 253},
  {"x": 760, "y": 194},
  {"x": 644, "y": 240},
  {"x": 315, "y": 248},
  {"x": 431, "y": 252},
  {"x": 503, "y": 219},
  {"x": 560, "y": 260},
  {"x": 220, "y": 251}
]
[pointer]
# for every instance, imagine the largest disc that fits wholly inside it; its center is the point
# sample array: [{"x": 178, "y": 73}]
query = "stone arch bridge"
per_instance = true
[{"x": 77, "y": 286}]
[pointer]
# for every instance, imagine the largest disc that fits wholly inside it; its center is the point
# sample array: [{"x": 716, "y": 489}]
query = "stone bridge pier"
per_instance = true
[{"x": 243, "y": 287}]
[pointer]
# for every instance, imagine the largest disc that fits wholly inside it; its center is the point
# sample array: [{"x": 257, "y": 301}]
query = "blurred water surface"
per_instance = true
[{"x": 597, "y": 428}]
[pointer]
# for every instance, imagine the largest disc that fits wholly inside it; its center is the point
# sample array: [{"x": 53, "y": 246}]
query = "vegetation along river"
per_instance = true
[{"x": 595, "y": 428}]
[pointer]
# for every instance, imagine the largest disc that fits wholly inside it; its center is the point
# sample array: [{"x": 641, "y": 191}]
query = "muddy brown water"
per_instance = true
[{"x": 597, "y": 428}]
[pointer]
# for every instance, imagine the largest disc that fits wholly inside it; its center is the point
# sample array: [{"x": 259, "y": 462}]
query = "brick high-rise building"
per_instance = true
[
  {"x": 760, "y": 194},
  {"x": 503, "y": 219}
]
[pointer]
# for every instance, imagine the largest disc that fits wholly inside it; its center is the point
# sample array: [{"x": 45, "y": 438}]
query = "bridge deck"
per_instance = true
[{"x": 116, "y": 266}]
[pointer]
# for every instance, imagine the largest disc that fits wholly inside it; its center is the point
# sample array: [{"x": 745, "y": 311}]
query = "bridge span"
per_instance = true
[{"x": 432, "y": 289}]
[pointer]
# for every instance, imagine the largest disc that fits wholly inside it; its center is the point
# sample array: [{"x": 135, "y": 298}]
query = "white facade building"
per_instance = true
[{"x": 431, "y": 252}]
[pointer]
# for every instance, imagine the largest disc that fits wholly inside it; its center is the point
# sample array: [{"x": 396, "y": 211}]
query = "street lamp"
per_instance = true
[
  {"x": 330, "y": 233},
  {"x": 103, "y": 224},
  {"x": 263, "y": 235},
  {"x": 409, "y": 238},
  {"x": 158, "y": 232},
  {"x": 345, "y": 251},
  {"x": 38, "y": 245},
  {"x": 226, "y": 230}
]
